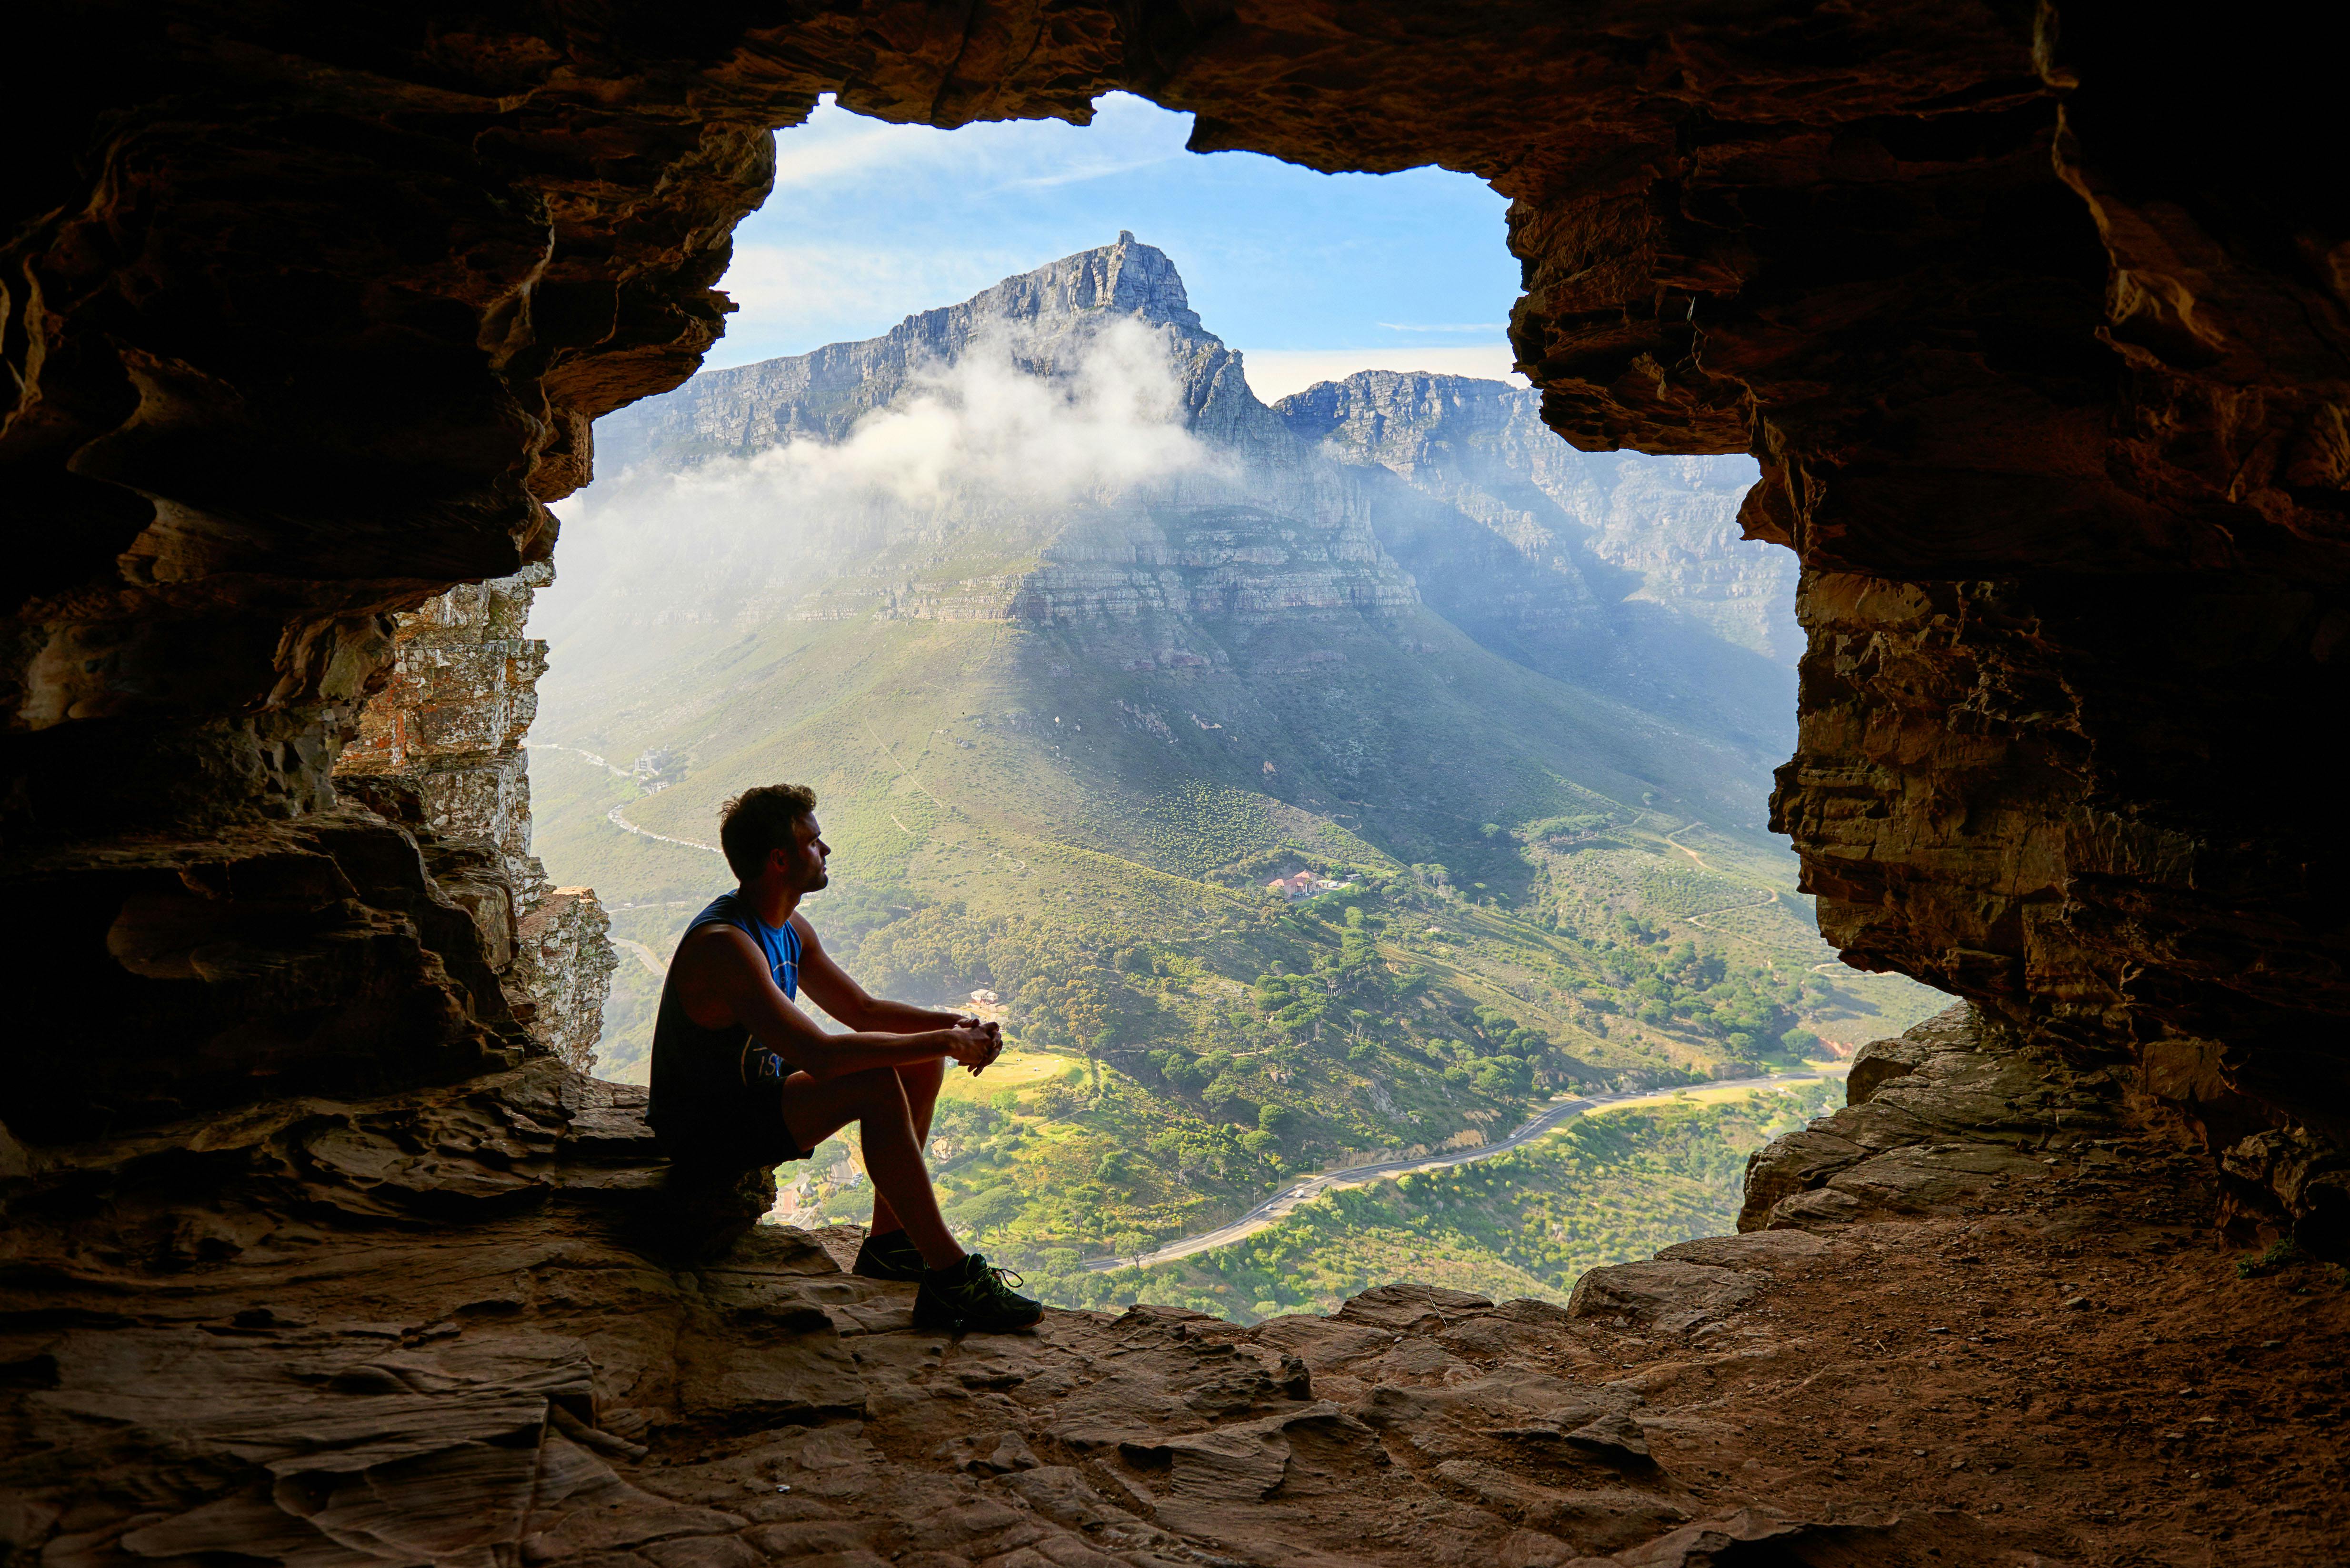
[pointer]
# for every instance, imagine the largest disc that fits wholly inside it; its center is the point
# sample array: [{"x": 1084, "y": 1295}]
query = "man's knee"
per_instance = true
[{"x": 875, "y": 1089}]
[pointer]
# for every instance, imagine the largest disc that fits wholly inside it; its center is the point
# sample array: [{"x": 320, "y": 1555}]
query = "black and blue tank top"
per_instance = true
[{"x": 714, "y": 1091}]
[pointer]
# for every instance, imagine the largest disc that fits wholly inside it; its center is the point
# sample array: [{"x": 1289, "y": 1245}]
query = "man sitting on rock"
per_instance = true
[{"x": 740, "y": 1076}]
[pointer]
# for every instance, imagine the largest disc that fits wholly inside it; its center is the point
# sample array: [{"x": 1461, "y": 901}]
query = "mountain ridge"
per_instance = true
[
  {"x": 1420, "y": 485},
  {"x": 821, "y": 394}
]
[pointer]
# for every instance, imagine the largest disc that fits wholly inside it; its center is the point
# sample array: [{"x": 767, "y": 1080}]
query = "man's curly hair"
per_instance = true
[{"x": 758, "y": 822}]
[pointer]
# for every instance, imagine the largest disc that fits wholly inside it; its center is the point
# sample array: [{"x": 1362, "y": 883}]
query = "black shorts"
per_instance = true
[{"x": 743, "y": 1131}]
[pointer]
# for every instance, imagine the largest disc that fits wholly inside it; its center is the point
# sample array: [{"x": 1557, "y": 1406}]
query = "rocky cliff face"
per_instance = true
[
  {"x": 1365, "y": 496},
  {"x": 1240, "y": 522},
  {"x": 1995, "y": 314},
  {"x": 448, "y": 725},
  {"x": 1038, "y": 318},
  {"x": 1575, "y": 563}
]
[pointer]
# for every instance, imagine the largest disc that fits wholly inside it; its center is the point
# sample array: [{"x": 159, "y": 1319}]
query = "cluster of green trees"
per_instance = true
[
  {"x": 1693, "y": 988},
  {"x": 1604, "y": 1189}
]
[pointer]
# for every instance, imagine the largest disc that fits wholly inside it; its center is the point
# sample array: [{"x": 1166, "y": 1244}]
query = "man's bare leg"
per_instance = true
[
  {"x": 921, "y": 1080},
  {"x": 876, "y": 1100}
]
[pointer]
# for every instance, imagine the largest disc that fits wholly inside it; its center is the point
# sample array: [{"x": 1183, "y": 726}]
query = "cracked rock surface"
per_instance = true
[{"x": 485, "y": 1326}]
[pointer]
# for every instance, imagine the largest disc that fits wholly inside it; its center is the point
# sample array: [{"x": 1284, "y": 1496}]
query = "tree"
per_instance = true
[{"x": 1278, "y": 1120}]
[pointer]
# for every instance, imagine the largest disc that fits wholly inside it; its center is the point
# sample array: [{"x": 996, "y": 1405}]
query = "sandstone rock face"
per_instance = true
[
  {"x": 563, "y": 961},
  {"x": 340, "y": 953},
  {"x": 484, "y": 1324},
  {"x": 1966, "y": 1120},
  {"x": 451, "y": 713},
  {"x": 445, "y": 733},
  {"x": 2041, "y": 358}
]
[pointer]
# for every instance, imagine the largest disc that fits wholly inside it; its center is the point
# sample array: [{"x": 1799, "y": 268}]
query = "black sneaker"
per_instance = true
[
  {"x": 971, "y": 1298},
  {"x": 889, "y": 1256}
]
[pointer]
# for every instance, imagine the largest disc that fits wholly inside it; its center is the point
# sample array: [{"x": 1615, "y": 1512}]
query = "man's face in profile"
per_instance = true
[{"x": 804, "y": 864}]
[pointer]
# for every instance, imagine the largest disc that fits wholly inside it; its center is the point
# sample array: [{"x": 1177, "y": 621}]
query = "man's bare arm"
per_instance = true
[
  {"x": 726, "y": 968},
  {"x": 850, "y": 1002}
]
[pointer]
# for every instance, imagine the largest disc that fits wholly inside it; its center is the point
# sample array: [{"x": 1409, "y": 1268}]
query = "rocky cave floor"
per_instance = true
[{"x": 1991, "y": 1320}]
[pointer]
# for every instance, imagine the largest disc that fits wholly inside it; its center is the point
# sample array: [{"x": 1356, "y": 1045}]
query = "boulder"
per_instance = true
[{"x": 1665, "y": 1294}]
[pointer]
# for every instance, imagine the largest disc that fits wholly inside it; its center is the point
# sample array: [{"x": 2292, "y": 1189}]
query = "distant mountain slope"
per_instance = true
[
  {"x": 1612, "y": 570},
  {"x": 1080, "y": 643},
  {"x": 1622, "y": 578}
]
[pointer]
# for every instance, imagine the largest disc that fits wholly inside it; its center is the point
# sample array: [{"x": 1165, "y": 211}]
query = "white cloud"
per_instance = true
[
  {"x": 834, "y": 145},
  {"x": 1079, "y": 175},
  {"x": 982, "y": 424},
  {"x": 979, "y": 439},
  {"x": 1277, "y": 373}
]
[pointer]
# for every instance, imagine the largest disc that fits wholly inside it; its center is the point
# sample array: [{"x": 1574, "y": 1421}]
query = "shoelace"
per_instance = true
[{"x": 999, "y": 1281}]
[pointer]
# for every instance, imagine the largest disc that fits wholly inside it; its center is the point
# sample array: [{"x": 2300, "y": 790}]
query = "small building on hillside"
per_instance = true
[{"x": 1304, "y": 885}]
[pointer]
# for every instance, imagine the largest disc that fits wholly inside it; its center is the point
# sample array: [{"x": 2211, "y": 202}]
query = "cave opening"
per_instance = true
[
  {"x": 2037, "y": 342},
  {"x": 1096, "y": 546}
]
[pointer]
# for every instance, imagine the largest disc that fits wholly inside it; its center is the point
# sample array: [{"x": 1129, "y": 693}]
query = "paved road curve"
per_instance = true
[{"x": 1289, "y": 1199}]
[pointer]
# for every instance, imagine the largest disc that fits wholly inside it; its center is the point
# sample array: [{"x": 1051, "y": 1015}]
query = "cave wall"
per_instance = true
[
  {"x": 447, "y": 724},
  {"x": 2031, "y": 316}
]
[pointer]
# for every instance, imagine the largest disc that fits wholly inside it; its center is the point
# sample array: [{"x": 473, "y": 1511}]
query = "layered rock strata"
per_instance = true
[
  {"x": 347, "y": 953},
  {"x": 1602, "y": 570},
  {"x": 486, "y": 1325},
  {"x": 451, "y": 715},
  {"x": 448, "y": 722},
  {"x": 1232, "y": 520}
]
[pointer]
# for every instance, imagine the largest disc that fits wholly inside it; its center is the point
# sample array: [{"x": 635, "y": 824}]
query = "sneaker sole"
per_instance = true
[{"x": 938, "y": 1322}]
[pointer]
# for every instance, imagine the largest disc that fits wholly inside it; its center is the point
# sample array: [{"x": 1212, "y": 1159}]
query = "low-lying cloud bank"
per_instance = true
[{"x": 1014, "y": 432}]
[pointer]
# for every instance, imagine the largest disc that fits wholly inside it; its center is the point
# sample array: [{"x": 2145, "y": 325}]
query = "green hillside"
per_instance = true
[
  {"x": 1080, "y": 645},
  {"x": 1603, "y": 1190},
  {"x": 1537, "y": 920}
]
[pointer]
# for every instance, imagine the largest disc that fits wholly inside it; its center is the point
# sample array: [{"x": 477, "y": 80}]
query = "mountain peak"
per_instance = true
[
  {"x": 1128, "y": 278},
  {"x": 824, "y": 392}
]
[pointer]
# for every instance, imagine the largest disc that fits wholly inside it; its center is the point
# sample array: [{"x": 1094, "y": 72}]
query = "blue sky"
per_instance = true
[{"x": 1310, "y": 275}]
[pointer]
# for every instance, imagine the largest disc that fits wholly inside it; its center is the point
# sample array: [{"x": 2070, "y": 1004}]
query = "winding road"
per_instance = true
[
  {"x": 1284, "y": 1202},
  {"x": 616, "y": 820},
  {"x": 1768, "y": 897},
  {"x": 643, "y": 955},
  {"x": 613, "y": 816}
]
